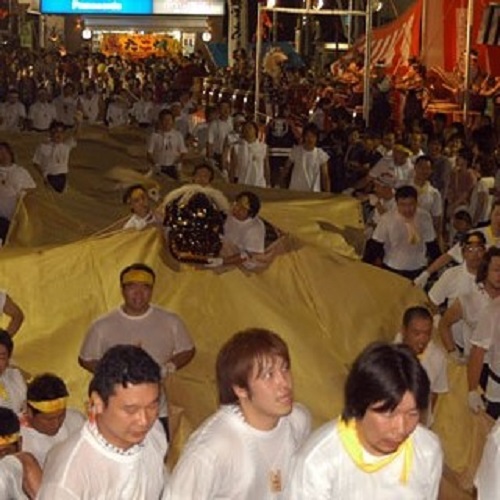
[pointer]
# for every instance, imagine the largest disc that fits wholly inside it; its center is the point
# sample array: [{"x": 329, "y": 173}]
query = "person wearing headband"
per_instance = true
[
  {"x": 119, "y": 452},
  {"x": 47, "y": 420},
  {"x": 376, "y": 449},
  {"x": 20, "y": 473},
  {"x": 161, "y": 333}
]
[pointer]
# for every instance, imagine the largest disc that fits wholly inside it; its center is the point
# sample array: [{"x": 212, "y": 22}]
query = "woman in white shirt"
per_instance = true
[
  {"x": 309, "y": 164},
  {"x": 249, "y": 160}
]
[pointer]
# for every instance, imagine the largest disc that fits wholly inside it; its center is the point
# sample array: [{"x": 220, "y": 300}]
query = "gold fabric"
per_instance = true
[{"x": 66, "y": 251}]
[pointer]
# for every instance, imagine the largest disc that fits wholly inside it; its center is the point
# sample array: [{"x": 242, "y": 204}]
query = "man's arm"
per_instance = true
[
  {"x": 475, "y": 366},
  {"x": 451, "y": 316},
  {"x": 16, "y": 315},
  {"x": 182, "y": 358},
  {"x": 32, "y": 474},
  {"x": 325, "y": 177}
]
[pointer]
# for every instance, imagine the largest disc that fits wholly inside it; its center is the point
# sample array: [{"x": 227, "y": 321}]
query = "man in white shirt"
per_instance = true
[
  {"x": 487, "y": 480},
  {"x": 52, "y": 157},
  {"x": 20, "y": 473},
  {"x": 137, "y": 198},
  {"x": 416, "y": 333},
  {"x": 429, "y": 198},
  {"x": 308, "y": 164},
  {"x": 245, "y": 449},
  {"x": 166, "y": 147},
  {"x": 47, "y": 421},
  {"x": 404, "y": 237},
  {"x": 470, "y": 307},
  {"x": 382, "y": 199},
  {"x": 66, "y": 106},
  {"x": 42, "y": 112},
  {"x": 161, "y": 333},
  {"x": 117, "y": 113},
  {"x": 12, "y": 112},
  {"x": 376, "y": 449},
  {"x": 460, "y": 281},
  {"x": 485, "y": 349},
  {"x": 90, "y": 103},
  {"x": 15, "y": 182},
  {"x": 218, "y": 131},
  {"x": 144, "y": 110},
  {"x": 119, "y": 452}
]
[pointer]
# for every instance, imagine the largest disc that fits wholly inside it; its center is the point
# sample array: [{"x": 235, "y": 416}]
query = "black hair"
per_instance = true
[
  {"x": 164, "y": 112},
  {"x": 416, "y": 312},
  {"x": 482, "y": 271},
  {"x": 463, "y": 215},
  {"x": 137, "y": 266},
  {"x": 311, "y": 128},
  {"x": 9, "y": 422},
  {"x": 46, "y": 387},
  {"x": 476, "y": 234},
  {"x": 55, "y": 124},
  {"x": 466, "y": 154},
  {"x": 123, "y": 365},
  {"x": 406, "y": 192},
  {"x": 6, "y": 340},
  {"x": 130, "y": 190},
  {"x": 423, "y": 158},
  {"x": 382, "y": 374},
  {"x": 8, "y": 147},
  {"x": 253, "y": 201},
  {"x": 205, "y": 166}
]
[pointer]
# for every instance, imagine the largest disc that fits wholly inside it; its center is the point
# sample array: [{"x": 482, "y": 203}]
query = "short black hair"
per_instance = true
[
  {"x": 205, "y": 166},
  {"x": 415, "y": 312},
  {"x": 253, "y": 200},
  {"x": 423, "y": 158},
  {"x": 128, "y": 193},
  {"x": 123, "y": 365},
  {"x": 137, "y": 266},
  {"x": 55, "y": 124},
  {"x": 406, "y": 192},
  {"x": 9, "y": 422},
  {"x": 311, "y": 128},
  {"x": 164, "y": 112},
  {"x": 46, "y": 387},
  {"x": 476, "y": 235},
  {"x": 6, "y": 340},
  {"x": 463, "y": 215},
  {"x": 8, "y": 147},
  {"x": 382, "y": 374}
]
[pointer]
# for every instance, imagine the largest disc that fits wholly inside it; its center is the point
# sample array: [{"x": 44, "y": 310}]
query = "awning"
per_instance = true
[{"x": 146, "y": 23}]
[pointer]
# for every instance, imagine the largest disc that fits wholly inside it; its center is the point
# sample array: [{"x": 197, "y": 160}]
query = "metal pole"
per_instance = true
[
  {"x": 368, "y": 57},
  {"x": 349, "y": 24},
  {"x": 468, "y": 44},
  {"x": 258, "y": 61},
  {"x": 275, "y": 26}
]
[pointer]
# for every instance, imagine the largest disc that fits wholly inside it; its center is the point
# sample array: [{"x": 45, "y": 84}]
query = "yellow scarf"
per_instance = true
[
  {"x": 350, "y": 440},
  {"x": 413, "y": 236},
  {"x": 491, "y": 239}
]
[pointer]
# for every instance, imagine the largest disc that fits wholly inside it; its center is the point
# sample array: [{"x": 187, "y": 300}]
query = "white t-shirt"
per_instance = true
[
  {"x": 403, "y": 173},
  {"x": 90, "y": 107},
  {"x": 394, "y": 232},
  {"x": 324, "y": 471},
  {"x": 15, "y": 386},
  {"x": 11, "y": 479},
  {"x": 39, "y": 444},
  {"x": 218, "y": 130},
  {"x": 14, "y": 181},
  {"x": 117, "y": 114},
  {"x": 483, "y": 185},
  {"x": 473, "y": 304},
  {"x": 487, "y": 336},
  {"x": 42, "y": 114},
  {"x": 250, "y": 160},
  {"x": 452, "y": 283},
  {"x": 487, "y": 480},
  {"x": 85, "y": 467},
  {"x": 227, "y": 459},
  {"x": 66, "y": 109},
  {"x": 53, "y": 158},
  {"x": 429, "y": 199},
  {"x": 160, "y": 333},
  {"x": 10, "y": 115},
  {"x": 166, "y": 147},
  {"x": 435, "y": 364},
  {"x": 306, "y": 171},
  {"x": 247, "y": 235},
  {"x": 139, "y": 223},
  {"x": 144, "y": 112}
]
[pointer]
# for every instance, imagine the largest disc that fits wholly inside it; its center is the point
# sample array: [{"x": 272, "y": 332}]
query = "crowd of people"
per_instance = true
[{"x": 427, "y": 188}]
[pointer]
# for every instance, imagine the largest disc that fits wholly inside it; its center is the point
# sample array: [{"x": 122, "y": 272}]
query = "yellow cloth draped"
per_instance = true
[
  {"x": 3, "y": 392},
  {"x": 349, "y": 436}
]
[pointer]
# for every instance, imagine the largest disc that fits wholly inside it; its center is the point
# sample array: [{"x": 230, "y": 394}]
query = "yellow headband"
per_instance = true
[
  {"x": 136, "y": 192},
  {"x": 9, "y": 439},
  {"x": 137, "y": 276},
  {"x": 49, "y": 406},
  {"x": 244, "y": 202}
]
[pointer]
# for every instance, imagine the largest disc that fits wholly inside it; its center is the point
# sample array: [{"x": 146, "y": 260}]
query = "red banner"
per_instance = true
[{"x": 396, "y": 42}]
